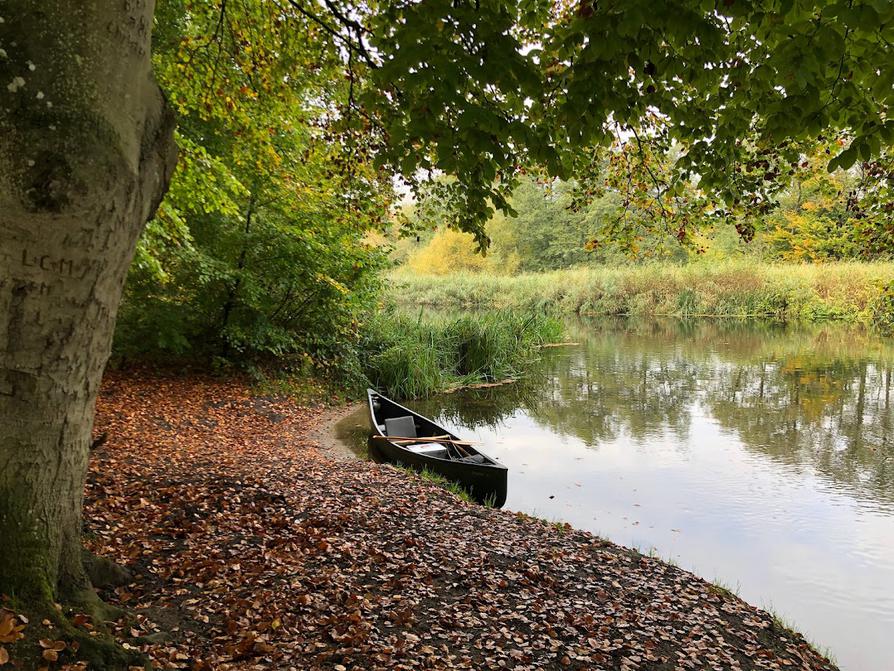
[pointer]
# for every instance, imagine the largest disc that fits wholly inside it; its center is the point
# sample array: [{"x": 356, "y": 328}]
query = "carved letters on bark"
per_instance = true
[
  {"x": 135, "y": 29},
  {"x": 62, "y": 266}
]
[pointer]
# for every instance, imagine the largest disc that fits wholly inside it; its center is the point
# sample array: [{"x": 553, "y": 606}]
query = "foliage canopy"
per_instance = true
[{"x": 481, "y": 89}]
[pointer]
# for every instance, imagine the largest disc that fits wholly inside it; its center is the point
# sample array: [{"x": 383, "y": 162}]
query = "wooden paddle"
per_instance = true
[
  {"x": 459, "y": 449},
  {"x": 419, "y": 438},
  {"x": 425, "y": 439}
]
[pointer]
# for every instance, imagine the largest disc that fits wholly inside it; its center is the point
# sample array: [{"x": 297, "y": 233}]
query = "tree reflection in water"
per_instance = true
[{"x": 804, "y": 396}]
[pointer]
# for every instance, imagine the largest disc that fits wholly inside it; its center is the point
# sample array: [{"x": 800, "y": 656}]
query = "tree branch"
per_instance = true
[{"x": 349, "y": 24}]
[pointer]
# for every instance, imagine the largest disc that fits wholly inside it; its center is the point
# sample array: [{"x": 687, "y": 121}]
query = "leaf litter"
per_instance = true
[{"x": 252, "y": 549}]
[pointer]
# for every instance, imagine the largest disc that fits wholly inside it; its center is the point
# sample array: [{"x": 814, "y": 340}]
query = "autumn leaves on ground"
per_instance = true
[{"x": 250, "y": 547}]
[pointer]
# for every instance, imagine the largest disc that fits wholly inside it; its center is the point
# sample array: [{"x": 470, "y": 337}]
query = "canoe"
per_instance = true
[{"x": 400, "y": 436}]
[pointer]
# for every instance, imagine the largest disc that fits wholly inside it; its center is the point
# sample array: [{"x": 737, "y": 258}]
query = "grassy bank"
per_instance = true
[
  {"x": 853, "y": 292},
  {"x": 412, "y": 357}
]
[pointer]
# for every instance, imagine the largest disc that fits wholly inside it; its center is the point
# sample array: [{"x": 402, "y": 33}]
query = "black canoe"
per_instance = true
[{"x": 483, "y": 477}]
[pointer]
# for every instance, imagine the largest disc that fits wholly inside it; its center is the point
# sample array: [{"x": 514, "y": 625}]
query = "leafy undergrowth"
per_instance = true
[{"x": 251, "y": 549}]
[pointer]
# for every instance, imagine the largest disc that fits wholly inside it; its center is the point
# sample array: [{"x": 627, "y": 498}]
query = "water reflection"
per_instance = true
[
  {"x": 753, "y": 453},
  {"x": 820, "y": 397}
]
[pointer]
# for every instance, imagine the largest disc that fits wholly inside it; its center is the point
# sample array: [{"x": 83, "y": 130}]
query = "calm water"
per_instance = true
[{"x": 758, "y": 456}]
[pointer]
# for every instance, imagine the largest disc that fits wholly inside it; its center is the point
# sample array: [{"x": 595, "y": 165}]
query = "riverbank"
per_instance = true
[
  {"x": 851, "y": 292},
  {"x": 252, "y": 548}
]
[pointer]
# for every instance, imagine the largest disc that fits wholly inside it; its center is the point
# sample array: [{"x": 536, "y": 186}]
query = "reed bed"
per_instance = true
[
  {"x": 853, "y": 292},
  {"x": 413, "y": 356}
]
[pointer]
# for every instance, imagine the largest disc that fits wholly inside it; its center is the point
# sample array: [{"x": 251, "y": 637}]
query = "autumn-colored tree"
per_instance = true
[
  {"x": 843, "y": 214},
  {"x": 448, "y": 251}
]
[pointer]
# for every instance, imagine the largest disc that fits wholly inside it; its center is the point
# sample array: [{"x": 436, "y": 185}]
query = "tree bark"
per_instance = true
[
  {"x": 233, "y": 289},
  {"x": 86, "y": 152}
]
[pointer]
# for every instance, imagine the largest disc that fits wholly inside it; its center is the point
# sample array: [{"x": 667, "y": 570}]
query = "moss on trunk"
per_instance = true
[{"x": 86, "y": 152}]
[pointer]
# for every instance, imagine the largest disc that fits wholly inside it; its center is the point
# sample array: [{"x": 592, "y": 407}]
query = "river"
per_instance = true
[{"x": 755, "y": 455}]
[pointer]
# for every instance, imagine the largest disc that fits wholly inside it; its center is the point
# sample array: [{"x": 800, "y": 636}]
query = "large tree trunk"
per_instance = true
[{"x": 86, "y": 151}]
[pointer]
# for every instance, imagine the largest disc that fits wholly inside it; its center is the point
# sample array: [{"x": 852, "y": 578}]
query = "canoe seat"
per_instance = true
[
  {"x": 428, "y": 449},
  {"x": 401, "y": 426}
]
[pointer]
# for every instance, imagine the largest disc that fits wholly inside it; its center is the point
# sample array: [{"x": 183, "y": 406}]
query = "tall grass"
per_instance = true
[
  {"x": 854, "y": 292},
  {"x": 413, "y": 357}
]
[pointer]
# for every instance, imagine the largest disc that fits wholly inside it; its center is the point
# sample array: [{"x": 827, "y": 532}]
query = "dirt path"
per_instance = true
[
  {"x": 324, "y": 430},
  {"x": 253, "y": 548}
]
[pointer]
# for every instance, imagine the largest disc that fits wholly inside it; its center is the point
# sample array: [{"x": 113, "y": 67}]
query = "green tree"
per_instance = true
[
  {"x": 258, "y": 248},
  {"x": 547, "y": 233},
  {"x": 551, "y": 229}
]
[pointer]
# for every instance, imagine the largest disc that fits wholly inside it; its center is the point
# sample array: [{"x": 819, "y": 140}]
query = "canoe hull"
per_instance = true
[{"x": 486, "y": 482}]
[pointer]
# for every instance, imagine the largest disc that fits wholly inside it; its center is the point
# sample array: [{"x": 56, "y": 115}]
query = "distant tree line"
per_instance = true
[{"x": 815, "y": 216}]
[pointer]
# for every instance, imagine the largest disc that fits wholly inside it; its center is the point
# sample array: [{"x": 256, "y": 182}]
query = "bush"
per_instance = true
[{"x": 228, "y": 297}]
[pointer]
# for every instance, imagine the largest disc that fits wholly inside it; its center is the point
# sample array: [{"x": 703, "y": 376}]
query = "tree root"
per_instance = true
[
  {"x": 88, "y": 602},
  {"x": 93, "y": 643},
  {"x": 47, "y": 621},
  {"x": 104, "y": 573},
  {"x": 101, "y": 652}
]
